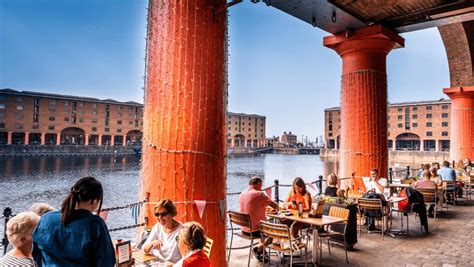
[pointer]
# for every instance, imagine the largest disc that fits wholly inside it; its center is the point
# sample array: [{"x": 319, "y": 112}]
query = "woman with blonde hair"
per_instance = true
[
  {"x": 19, "y": 233},
  {"x": 162, "y": 240},
  {"x": 191, "y": 241},
  {"x": 331, "y": 189}
]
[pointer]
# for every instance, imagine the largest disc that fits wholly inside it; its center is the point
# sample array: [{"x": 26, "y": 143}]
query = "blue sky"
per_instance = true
[{"x": 278, "y": 66}]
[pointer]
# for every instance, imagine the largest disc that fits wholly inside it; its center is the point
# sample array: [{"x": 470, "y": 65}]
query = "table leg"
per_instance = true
[{"x": 315, "y": 246}]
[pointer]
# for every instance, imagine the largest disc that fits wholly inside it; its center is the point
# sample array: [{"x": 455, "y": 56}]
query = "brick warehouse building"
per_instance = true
[
  {"x": 422, "y": 126},
  {"x": 33, "y": 118},
  {"x": 245, "y": 130}
]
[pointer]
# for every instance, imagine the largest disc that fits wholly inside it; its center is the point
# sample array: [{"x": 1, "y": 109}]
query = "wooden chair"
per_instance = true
[
  {"x": 339, "y": 213},
  {"x": 282, "y": 233},
  {"x": 242, "y": 220},
  {"x": 430, "y": 196},
  {"x": 369, "y": 204},
  {"x": 207, "y": 248}
]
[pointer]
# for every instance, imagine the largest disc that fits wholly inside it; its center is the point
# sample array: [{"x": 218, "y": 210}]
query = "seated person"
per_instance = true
[
  {"x": 297, "y": 195},
  {"x": 370, "y": 215},
  {"x": 162, "y": 240},
  {"x": 435, "y": 177},
  {"x": 19, "y": 232},
  {"x": 191, "y": 241},
  {"x": 253, "y": 202},
  {"x": 331, "y": 189},
  {"x": 376, "y": 183},
  {"x": 426, "y": 183}
]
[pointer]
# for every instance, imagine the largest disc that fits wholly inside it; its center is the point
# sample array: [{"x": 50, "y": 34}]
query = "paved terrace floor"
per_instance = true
[{"x": 451, "y": 243}]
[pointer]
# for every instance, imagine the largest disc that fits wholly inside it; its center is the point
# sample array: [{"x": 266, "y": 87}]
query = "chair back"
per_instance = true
[
  {"x": 339, "y": 212},
  {"x": 241, "y": 219},
  {"x": 369, "y": 204},
  {"x": 275, "y": 231},
  {"x": 208, "y": 246},
  {"x": 429, "y": 195},
  {"x": 449, "y": 184}
]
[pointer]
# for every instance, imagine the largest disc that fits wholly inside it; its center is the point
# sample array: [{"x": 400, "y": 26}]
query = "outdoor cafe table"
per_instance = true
[{"x": 315, "y": 222}]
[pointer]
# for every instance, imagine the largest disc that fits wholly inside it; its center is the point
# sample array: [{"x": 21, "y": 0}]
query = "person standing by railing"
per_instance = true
[{"x": 75, "y": 236}]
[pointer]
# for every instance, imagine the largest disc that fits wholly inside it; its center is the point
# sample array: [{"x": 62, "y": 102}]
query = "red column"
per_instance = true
[
  {"x": 232, "y": 142},
  {"x": 99, "y": 142},
  {"x": 9, "y": 138},
  {"x": 58, "y": 139},
  {"x": 112, "y": 140},
  {"x": 184, "y": 126},
  {"x": 363, "y": 144},
  {"x": 124, "y": 140},
  {"x": 462, "y": 122},
  {"x": 27, "y": 138},
  {"x": 86, "y": 141},
  {"x": 43, "y": 139}
]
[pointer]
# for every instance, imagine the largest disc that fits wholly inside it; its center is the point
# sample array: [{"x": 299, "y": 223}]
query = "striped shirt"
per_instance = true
[{"x": 8, "y": 260}]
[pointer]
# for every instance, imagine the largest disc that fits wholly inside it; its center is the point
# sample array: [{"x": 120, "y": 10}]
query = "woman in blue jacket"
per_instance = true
[{"x": 75, "y": 236}]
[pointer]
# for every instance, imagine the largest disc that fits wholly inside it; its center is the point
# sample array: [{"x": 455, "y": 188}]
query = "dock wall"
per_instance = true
[{"x": 62, "y": 150}]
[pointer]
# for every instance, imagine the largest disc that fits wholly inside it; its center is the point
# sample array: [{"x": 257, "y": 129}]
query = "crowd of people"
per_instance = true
[
  {"x": 76, "y": 236},
  {"x": 254, "y": 201}
]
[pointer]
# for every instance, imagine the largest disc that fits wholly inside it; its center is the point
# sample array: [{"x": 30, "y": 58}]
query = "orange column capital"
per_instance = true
[
  {"x": 363, "y": 141},
  {"x": 462, "y": 122}
]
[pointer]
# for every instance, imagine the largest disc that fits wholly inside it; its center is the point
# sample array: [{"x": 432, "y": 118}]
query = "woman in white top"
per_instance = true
[
  {"x": 162, "y": 240},
  {"x": 19, "y": 233}
]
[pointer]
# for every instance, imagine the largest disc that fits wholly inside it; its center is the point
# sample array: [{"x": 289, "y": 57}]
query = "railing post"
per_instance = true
[
  {"x": 408, "y": 172},
  {"x": 454, "y": 164},
  {"x": 7, "y": 213},
  {"x": 320, "y": 185},
  {"x": 277, "y": 192},
  {"x": 390, "y": 175}
]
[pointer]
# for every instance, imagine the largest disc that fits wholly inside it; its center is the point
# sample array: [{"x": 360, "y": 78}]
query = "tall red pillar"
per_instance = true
[
  {"x": 86, "y": 140},
  {"x": 363, "y": 144},
  {"x": 184, "y": 125},
  {"x": 27, "y": 138},
  {"x": 9, "y": 138},
  {"x": 462, "y": 122},
  {"x": 43, "y": 138}
]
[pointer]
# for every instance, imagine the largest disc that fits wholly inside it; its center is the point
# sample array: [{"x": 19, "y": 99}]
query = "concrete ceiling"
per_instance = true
[{"x": 335, "y": 16}]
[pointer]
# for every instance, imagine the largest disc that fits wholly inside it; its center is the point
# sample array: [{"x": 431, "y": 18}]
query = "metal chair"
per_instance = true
[
  {"x": 468, "y": 185},
  {"x": 242, "y": 220},
  {"x": 374, "y": 205},
  {"x": 282, "y": 233},
  {"x": 430, "y": 197},
  {"x": 207, "y": 248},
  {"x": 339, "y": 213},
  {"x": 450, "y": 189}
]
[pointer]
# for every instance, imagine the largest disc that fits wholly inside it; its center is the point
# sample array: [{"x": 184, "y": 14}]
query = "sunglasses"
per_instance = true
[{"x": 163, "y": 214}]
